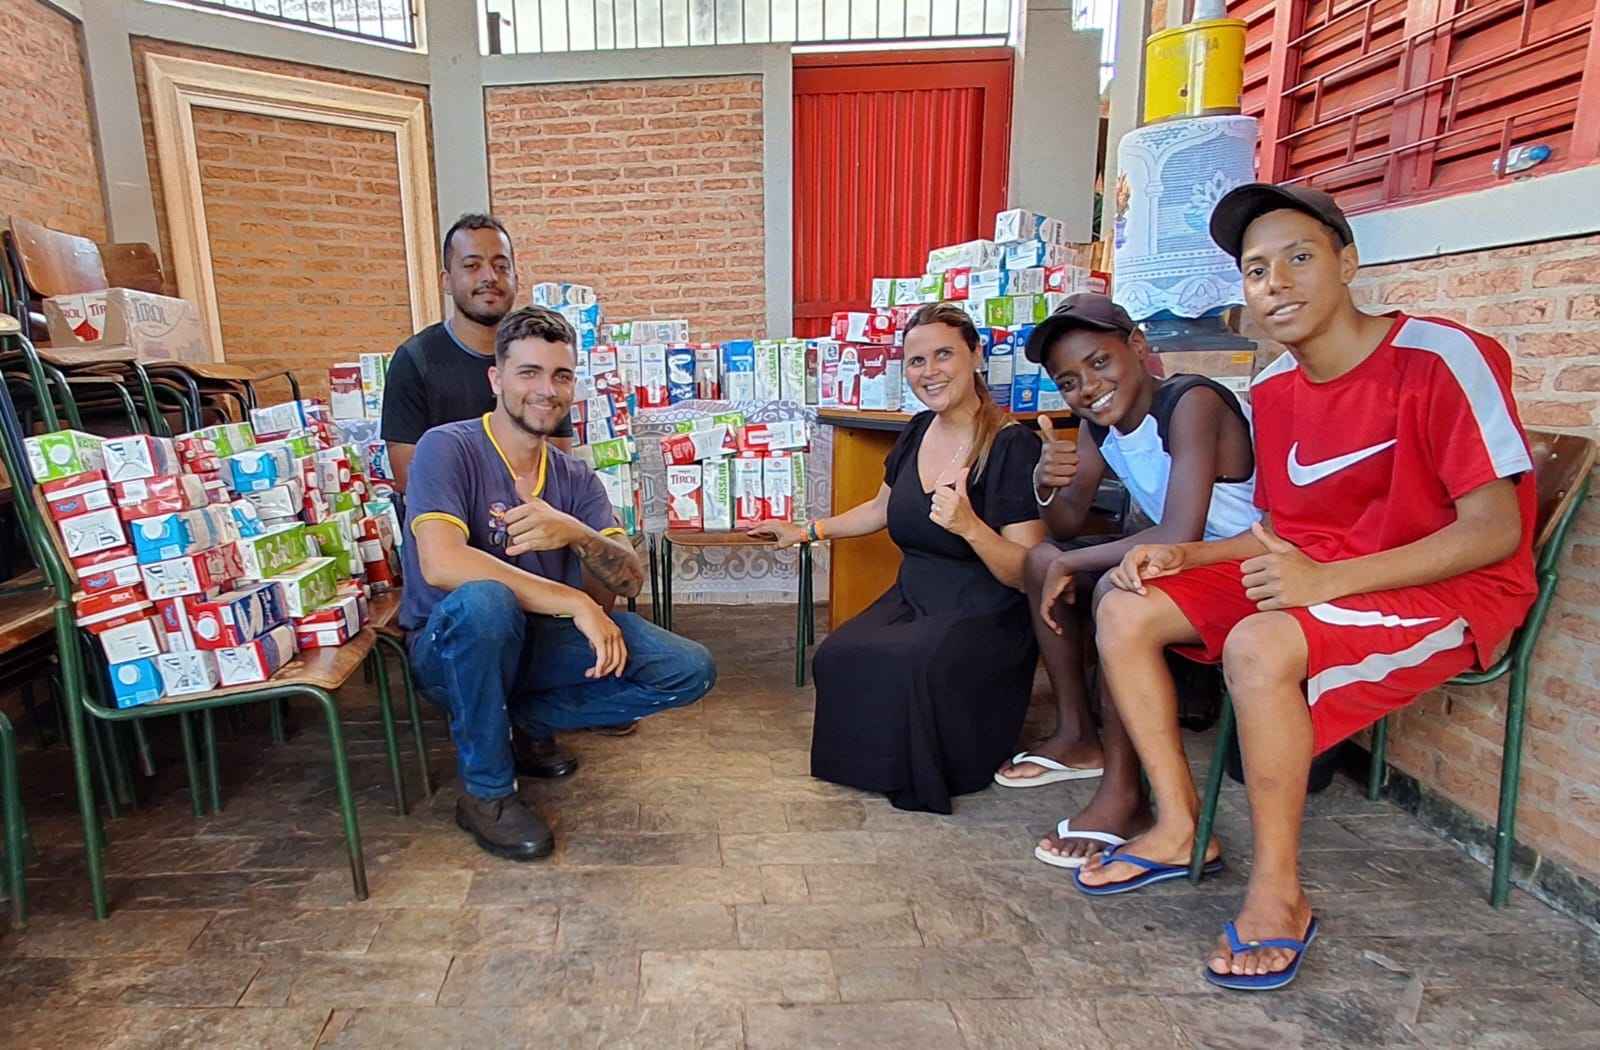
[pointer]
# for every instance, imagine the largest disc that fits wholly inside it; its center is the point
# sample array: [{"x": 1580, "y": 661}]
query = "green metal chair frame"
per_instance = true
[
  {"x": 805, "y": 620},
  {"x": 79, "y": 700},
  {"x": 1563, "y": 465}
]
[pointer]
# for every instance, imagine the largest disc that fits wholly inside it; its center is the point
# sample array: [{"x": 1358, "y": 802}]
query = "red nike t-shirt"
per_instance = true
[{"x": 1376, "y": 459}]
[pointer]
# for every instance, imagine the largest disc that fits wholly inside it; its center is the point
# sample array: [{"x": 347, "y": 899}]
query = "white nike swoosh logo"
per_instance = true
[{"x": 1304, "y": 474}]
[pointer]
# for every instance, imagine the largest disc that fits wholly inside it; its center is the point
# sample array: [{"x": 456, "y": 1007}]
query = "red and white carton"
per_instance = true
[
  {"x": 109, "y": 571},
  {"x": 73, "y": 482},
  {"x": 652, "y": 390},
  {"x": 326, "y": 636},
  {"x": 849, "y": 375},
  {"x": 769, "y": 437},
  {"x": 684, "y": 508},
  {"x": 190, "y": 489},
  {"x": 882, "y": 371},
  {"x": 140, "y": 456},
  {"x": 777, "y": 487},
  {"x": 236, "y": 617},
  {"x": 697, "y": 445},
  {"x": 329, "y": 625},
  {"x": 106, "y": 605},
  {"x": 258, "y": 659},
  {"x": 80, "y": 499},
  {"x": 344, "y": 385},
  {"x": 957, "y": 282},
  {"x": 208, "y": 572},
  {"x": 92, "y": 532},
  {"x": 856, "y": 327},
  {"x": 749, "y": 502}
]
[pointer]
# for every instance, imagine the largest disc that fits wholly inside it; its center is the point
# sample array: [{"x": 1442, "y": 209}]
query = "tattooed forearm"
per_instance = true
[{"x": 612, "y": 562}]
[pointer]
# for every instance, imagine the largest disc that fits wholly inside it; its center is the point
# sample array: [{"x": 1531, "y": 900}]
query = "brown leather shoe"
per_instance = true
[
  {"x": 505, "y": 828},
  {"x": 544, "y": 759}
]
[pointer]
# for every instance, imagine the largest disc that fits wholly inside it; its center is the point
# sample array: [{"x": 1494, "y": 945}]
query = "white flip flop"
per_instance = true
[
  {"x": 1054, "y": 773},
  {"x": 1064, "y": 831}
]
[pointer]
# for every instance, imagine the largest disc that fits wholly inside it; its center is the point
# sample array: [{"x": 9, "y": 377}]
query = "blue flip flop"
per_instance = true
[
  {"x": 1263, "y": 982},
  {"x": 1153, "y": 872}
]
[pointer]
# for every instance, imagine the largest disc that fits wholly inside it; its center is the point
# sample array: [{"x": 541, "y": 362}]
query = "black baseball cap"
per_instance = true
[
  {"x": 1239, "y": 207},
  {"x": 1079, "y": 310}
]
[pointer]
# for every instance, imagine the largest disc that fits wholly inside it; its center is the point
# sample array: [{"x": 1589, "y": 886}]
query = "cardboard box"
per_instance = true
[
  {"x": 235, "y": 617},
  {"x": 957, "y": 282},
  {"x": 63, "y": 453},
  {"x": 154, "y": 327},
  {"x": 120, "y": 571},
  {"x": 1011, "y": 227},
  {"x": 257, "y": 660},
  {"x": 208, "y": 572},
  {"x": 882, "y": 369},
  {"x": 684, "y": 497},
  {"x": 749, "y": 494},
  {"x": 92, "y": 532},
  {"x": 187, "y": 672},
  {"x": 307, "y": 585},
  {"x": 259, "y": 468},
  {"x": 680, "y": 373},
  {"x": 274, "y": 551},
  {"x": 136, "y": 682},
  {"x": 739, "y": 370},
  {"x": 716, "y": 495},
  {"x": 768, "y": 437},
  {"x": 769, "y": 370},
  {"x": 971, "y": 255},
  {"x": 855, "y": 327},
  {"x": 91, "y": 495}
]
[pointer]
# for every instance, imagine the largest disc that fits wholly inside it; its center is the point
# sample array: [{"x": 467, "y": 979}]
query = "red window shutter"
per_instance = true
[{"x": 1389, "y": 100}]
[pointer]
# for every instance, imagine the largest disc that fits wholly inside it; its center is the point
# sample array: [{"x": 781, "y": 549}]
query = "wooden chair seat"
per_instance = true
[{"x": 26, "y": 616}]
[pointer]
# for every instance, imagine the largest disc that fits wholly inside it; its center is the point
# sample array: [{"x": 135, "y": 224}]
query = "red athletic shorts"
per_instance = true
[{"x": 1367, "y": 654}]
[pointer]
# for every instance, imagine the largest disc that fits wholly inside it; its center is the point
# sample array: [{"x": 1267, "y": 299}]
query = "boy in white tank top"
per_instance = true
[{"x": 1181, "y": 447}]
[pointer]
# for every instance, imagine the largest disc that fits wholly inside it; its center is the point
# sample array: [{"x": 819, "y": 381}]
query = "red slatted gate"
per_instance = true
[{"x": 894, "y": 153}]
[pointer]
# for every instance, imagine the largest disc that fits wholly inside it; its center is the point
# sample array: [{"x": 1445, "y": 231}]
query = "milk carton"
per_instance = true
[
  {"x": 881, "y": 378},
  {"x": 777, "y": 487},
  {"x": 684, "y": 497},
  {"x": 769, "y": 370},
  {"x": 1001, "y": 353},
  {"x": 653, "y": 390},
  {"x": 680, "y": 373},
  {"x": 739, "y": 370},
  {"x": 716, "y": 495},
  {"x": 749, "y": 499},
  {"x": 792, "y": 371}
]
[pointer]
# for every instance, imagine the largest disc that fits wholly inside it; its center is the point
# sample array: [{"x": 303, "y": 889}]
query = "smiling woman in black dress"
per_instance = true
[{"x": 924, "y": 692}]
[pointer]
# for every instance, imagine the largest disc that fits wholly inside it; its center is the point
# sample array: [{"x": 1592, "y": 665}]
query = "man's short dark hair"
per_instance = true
[
  {"x": 531, "y": 322},
  {"x": 475, "y": 221}
]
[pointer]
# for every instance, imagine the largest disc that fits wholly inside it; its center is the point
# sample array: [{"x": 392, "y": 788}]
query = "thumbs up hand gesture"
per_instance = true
[
  {"x": 1058, "y": 459},
  {"x": 952, "y": 510},
  {"x": 1284, "y": 578}
]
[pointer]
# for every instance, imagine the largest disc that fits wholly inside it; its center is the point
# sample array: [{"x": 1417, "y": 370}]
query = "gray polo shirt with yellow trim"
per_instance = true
[{"x": 460, "y": 475}]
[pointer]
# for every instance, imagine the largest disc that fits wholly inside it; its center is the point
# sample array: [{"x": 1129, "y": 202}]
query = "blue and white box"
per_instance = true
[
  {"x": 136, "y": 682},
  {"x": 1000, "y": 351},
  {"x": 170, "y": 535},
  {"x": 1025, "y": 378},
  {"x": 258, "y": 469},
  {"x": 680, "y": 374},
  {"x": 739, "y": 370},
  {"x": 1036, "y": 253}
]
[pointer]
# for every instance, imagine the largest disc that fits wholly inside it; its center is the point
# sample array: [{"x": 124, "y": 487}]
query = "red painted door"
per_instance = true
[{"x": 895, "y": 153}]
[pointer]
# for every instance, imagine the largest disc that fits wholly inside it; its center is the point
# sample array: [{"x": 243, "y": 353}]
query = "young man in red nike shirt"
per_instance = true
[{"x": 1395, "y": 552}]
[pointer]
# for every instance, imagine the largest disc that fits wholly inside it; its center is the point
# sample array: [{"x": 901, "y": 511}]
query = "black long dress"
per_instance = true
[{"x": 922, "y": 695}]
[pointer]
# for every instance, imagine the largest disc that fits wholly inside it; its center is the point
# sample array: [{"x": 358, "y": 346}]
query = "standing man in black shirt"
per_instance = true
[{"x": 441, "y": 374}]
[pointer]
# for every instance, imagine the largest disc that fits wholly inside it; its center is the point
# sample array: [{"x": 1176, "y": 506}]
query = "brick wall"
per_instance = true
[
  {"x": 649, "y": 190},
  {"x": 1542, "y": 301},
  {"x": 304, "y": 221},
  {"x": 48, "y": 170}
]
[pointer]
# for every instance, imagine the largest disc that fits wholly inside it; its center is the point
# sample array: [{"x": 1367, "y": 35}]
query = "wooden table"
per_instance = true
[{"x": 863, "y": 568}]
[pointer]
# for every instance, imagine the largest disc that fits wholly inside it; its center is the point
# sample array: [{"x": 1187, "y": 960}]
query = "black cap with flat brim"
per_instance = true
[
  {"x": 1079, "y": 310},
  {"x": 1242, "y": 206}
]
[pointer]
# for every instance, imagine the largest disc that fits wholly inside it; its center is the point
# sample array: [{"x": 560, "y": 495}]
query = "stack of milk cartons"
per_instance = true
[
  {"x": 768, "y": 370},
  {"x": 659, "y": 363},
  {"x": 356, "y": 387},
  {"x": 577, "y": 303},
  {"x": 603, "y": 433},
  {"x": 860, "y": 365},
  {"x": 724, "y": 473}
]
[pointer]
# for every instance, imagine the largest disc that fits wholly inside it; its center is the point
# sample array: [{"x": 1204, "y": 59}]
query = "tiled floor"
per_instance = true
[{"x": 708, "y": 893}]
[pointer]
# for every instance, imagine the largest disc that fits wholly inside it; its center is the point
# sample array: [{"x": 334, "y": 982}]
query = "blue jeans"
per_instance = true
[{"x": 489, "y": 663}]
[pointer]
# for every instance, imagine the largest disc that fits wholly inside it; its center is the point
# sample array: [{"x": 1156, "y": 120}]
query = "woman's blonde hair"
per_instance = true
[{"x": 991, "y": 418}]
